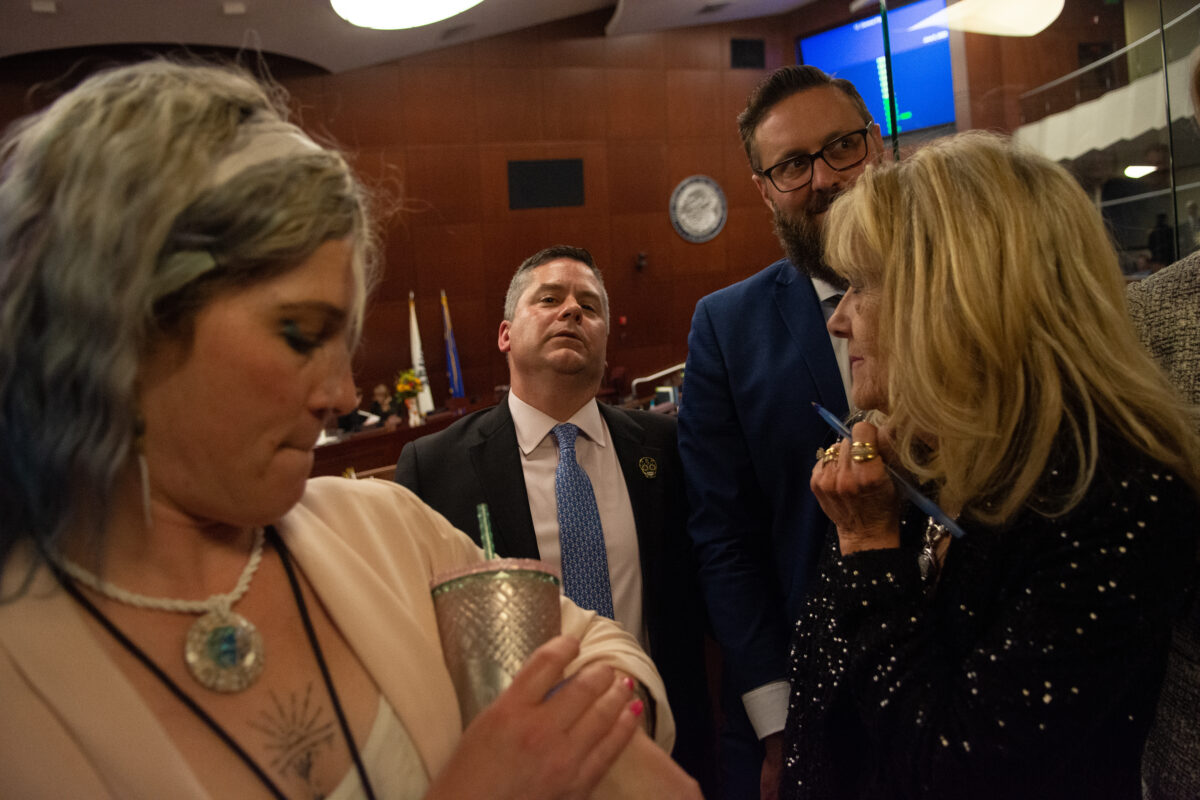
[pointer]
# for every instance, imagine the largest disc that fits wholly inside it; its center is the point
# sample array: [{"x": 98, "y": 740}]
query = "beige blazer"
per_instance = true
[{"x": 71, "y": 725}]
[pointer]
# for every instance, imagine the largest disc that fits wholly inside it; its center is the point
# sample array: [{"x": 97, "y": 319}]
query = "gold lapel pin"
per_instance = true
[{"x": 648, "y": 466}]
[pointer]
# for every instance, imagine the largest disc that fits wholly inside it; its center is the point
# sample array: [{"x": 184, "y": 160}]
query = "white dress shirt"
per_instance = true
[
  {"x": 829, "y": 296},
  {"x": 595, "y": 452}
]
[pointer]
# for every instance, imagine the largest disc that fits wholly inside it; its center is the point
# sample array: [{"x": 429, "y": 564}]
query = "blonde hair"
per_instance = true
[{"x": 1002, "y": 319}]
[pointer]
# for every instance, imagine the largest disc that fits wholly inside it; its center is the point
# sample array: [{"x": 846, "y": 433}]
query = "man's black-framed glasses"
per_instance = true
[{"x": 795, "y": 172}]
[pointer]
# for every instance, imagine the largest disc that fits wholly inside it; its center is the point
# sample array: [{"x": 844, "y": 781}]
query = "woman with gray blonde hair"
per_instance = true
[
  {"x": 988, "y": 336},
  {"x": 182, "y": 612}
]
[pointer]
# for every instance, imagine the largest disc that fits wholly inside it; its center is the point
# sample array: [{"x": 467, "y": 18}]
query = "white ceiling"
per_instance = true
[{"x": 310, "y": 31}]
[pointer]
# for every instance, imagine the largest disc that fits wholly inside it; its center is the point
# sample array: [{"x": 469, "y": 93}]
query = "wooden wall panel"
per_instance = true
[
  {"x": 747, "y": 249},
  {"x": 443, "y": 184},
  {"x": 572, "y": 103},
  {"x": 436, "y": 104},
  {"x": 697, "y": 48},
  {"x": 696, "y": 157},
  {"x": 739, "y": 186},
  {"x": 508, "y": 104},
  {"x": 642, "y": 51},
  {"x": 691, "y": 113},
  {"x": 636, "y": 102},
  {"x": 365, "y": 113},
  {"x": 517, "y": 49},
  {"x": 637, "y": 174},
  {"x": 457, "y": 250},
  {"x": 432, "y": 135}
]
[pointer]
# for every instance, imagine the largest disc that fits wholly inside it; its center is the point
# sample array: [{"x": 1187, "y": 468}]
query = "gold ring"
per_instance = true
[
  {"x": 831, "y": 454},
  {"x": 863, "y": 451},
  {"x": 820, "y": 453}
]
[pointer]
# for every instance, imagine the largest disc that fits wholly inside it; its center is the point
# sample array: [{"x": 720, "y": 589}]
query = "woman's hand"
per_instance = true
[
  {"x": 525, "y": 745},
  {"x": 858, "y": 495}
]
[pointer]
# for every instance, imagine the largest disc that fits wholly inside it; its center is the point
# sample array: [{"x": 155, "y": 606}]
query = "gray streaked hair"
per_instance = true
[
  {"x": 114, "y": 232},
  {"x": 520, "y": 279}
]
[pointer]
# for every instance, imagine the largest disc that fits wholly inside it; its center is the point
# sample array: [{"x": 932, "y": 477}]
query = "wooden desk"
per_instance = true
[{"x": 377, "y": 448}]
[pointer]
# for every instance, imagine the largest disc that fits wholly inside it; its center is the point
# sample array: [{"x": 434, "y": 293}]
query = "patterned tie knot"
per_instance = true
[{"x": 565, "y": 435}]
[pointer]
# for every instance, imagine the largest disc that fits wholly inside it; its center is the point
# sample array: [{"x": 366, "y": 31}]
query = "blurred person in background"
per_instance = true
[{"x": 1166, "y": 312}]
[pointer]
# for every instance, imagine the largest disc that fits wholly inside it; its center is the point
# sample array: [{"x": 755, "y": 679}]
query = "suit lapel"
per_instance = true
[
  {"x": 496, "y": 458},
  {"x": 640, "y": 462},
  {"x": 797, "y": 304}
]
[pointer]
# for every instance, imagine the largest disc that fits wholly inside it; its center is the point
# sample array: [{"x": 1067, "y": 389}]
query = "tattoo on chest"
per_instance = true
[{"x": 297, "y": 730}]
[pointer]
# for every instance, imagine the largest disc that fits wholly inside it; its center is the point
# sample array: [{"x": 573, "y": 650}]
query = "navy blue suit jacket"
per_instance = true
[
  {"x": 758, "y": 356},
  {"x": 477, "y": 460}
]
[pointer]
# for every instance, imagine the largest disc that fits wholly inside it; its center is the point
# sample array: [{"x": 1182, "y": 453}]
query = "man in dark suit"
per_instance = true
[
  {"x": 555, "y": 332},
  {"x": 758, "y": 356}
]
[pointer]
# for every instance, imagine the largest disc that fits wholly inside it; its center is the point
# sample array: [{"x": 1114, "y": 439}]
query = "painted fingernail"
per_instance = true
[
  {"x": 628, "y": 683},
  {"x": 636, "y": 707}
]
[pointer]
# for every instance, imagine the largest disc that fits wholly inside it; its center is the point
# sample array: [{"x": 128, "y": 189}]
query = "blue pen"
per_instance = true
[{"x": 919, "y": 500}]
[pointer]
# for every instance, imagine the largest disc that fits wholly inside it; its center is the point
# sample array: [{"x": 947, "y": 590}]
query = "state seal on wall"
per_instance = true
[{"x": 698, "y": 208}]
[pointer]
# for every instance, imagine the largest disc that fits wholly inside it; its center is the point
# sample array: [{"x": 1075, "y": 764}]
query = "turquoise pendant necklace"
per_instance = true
[{"x": 223, "y": 650}]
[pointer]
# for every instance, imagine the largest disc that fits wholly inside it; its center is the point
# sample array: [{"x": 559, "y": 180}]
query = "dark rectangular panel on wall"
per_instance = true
[
  {"x": 747, "y": 54},
  {"x": 545, "y": 184}
]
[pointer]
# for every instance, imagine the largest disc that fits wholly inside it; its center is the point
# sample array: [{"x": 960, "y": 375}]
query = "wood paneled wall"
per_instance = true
[
  {"x": 432, "y": 135},
  {"x": 435, "y": 133}
]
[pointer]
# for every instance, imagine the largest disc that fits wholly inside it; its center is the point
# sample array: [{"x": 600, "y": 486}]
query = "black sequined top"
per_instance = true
[{"x": 1030, "y": 670}]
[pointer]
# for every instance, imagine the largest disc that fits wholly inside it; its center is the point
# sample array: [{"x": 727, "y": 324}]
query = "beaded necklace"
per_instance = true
[{"x": 223, "y": 650}]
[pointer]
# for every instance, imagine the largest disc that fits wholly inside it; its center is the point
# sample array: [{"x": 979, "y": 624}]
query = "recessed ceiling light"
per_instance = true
[
  {"x": 390, "y": 15},
  {"x": 43, "y": 7},
  {"x": 233, "y": 9},
  {"x": 1139, "y": 170}
]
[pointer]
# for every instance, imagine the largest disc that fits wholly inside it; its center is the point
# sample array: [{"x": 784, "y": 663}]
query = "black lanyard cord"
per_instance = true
[{"x": 284, "y": 556}]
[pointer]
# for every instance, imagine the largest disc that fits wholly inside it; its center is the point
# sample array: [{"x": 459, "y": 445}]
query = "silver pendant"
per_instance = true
[
  {"x": 224, "y": 651},
  {"x": 928, "y": 559},
  {"x": 926, "y": 562}
]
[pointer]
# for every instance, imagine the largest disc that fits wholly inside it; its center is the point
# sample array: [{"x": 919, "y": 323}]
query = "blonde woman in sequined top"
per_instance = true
[{"x": 987, "y": 333}]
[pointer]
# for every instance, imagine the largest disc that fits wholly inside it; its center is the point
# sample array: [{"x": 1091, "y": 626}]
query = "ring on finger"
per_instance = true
[
  {"x": 863, "y": 451},
  {"x": 831, "y": 454}
]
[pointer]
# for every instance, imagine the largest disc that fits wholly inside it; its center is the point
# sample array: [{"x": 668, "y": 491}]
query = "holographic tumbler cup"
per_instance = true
[{"x": 491, "y": 616}]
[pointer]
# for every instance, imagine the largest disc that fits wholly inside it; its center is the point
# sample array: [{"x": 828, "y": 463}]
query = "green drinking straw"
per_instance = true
[{"x": 485, "y": 530}]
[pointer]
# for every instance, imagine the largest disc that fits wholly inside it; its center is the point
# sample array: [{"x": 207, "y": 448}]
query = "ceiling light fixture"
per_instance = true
[
  {"x": 390, "y": 15},
  {"x": 1136, "y": 171},
  {"x": 996, "y": 17}
]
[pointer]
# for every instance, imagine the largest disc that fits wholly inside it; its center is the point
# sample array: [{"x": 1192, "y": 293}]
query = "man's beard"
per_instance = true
[{"x": 800, "y": 237}]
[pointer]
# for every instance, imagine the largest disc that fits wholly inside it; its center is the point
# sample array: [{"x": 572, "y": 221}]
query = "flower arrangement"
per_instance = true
[{"x": 407, "y": 385}]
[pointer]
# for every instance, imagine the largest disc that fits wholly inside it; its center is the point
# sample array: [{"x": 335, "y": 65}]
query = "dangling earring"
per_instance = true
[{"x": 139, "y": 446}]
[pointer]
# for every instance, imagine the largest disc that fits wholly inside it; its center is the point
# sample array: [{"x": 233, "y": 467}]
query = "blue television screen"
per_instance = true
[{"x": 920, "y": 64}]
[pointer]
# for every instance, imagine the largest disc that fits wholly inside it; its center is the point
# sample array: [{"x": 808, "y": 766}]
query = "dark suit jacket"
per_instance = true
[
  {"x": 758, "y": 356},
  {"x": 477, "y": 460}
]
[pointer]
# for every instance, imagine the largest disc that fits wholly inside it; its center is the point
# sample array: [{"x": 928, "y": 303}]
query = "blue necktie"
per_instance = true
[{"x": 584, "y": 561}]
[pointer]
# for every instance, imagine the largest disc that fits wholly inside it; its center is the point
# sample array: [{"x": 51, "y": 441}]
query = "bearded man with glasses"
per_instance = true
[{"x": 758, "y": 356}]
